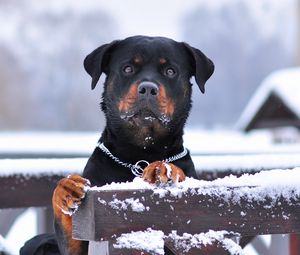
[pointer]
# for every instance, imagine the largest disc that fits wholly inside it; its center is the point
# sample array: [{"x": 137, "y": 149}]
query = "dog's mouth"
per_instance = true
[{"x": 145, "y": 117}]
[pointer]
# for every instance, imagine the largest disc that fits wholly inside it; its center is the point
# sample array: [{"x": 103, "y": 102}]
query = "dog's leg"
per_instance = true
[
  {"x": 66, "y": 198},
  {"x": 161, "y": 172}
]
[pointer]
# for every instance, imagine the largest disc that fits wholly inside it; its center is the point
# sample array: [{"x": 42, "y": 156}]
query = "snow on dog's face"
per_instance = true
[{"x": 147, "y": 90}]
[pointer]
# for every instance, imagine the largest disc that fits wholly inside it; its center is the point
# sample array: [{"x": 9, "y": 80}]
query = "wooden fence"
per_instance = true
[{"x": 22, "y": 189}]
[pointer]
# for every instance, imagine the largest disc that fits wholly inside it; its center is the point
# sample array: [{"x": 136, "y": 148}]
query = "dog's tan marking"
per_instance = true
[
  {"x": 128, "y": 100},
  {"x": 162, "y": 61},
  {"x": 137, "y": 60},
  {"x": 166, "y": 104}
]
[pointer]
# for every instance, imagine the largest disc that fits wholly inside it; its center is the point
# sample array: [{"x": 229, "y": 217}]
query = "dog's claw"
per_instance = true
[{"x": 69, "y": 193}]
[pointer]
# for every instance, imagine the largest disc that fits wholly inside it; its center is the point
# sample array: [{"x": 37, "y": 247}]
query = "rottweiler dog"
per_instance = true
[{"x": 146, "y": 102}]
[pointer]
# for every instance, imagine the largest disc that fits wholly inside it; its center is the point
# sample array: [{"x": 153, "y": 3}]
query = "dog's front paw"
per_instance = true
[
  {"x": 68, "y": 194},
  {"x": 162, "y": 172}
]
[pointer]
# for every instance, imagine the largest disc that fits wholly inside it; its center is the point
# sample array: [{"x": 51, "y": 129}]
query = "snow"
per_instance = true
[
  {"x": 239, "y": 163},
  {"x": 272, "y": 184},
  {"x": 58, "y": 143},
  {"x": 188, "y": 241},
  {"x": 120, "y": 205},
  {"x": 40, "y": 167},
  {"x": 213, "y": 164},
  {"x": 70, "y": 144},
  {"x": 273, "y": 178},
  {"x": 149, "y": 241},
  {"x": 285, "y": 84},
  {"x": 140, "y": 240},
  {"x": 206, "y": 142}
]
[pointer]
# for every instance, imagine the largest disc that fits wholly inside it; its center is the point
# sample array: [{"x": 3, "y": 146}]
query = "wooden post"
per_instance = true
[{"x": 294, "y": 244}]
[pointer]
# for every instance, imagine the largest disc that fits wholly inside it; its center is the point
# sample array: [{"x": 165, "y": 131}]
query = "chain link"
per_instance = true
[
  {"x": 178, "y": 156},
  {"x": 136, "y": 169}
]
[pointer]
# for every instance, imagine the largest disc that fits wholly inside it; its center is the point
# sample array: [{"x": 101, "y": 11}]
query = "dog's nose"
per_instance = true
[{"x": 148, "y": 89}]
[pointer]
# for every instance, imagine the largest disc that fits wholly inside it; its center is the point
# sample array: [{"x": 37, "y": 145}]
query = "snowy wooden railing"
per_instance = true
[
  {"x": 30, "y": 182},
  {"x": 186, "y": 217}
]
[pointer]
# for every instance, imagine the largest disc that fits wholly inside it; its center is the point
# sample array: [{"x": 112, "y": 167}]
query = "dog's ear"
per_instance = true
[
  {"x": 203, "y": 67},
  {"x": 95, "y": 62}
]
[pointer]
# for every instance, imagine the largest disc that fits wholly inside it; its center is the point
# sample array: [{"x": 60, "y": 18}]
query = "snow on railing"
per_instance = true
[{"x": 41, "y": 167}]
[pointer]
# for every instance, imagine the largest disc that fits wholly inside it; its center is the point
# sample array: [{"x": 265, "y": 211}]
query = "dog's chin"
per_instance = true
[
  {"x": 144, "y": 119},
  {"x": 146, "y": 127}
]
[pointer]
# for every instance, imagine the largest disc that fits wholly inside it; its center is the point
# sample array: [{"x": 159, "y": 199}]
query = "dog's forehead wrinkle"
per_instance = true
[{"x": 147, "y": 47}]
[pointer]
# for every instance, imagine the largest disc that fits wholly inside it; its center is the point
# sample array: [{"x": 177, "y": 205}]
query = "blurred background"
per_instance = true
[
  {"x": 48, "y": 110},
  {"x": 43, "y": 85}
]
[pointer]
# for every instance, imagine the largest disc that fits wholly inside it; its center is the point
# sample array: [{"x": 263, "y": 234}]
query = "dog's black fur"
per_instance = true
[{"x": 146, "y": 101}]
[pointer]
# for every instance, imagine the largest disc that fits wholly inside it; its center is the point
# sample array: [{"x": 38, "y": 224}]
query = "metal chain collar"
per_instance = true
[{"x": 136, "y": 169}]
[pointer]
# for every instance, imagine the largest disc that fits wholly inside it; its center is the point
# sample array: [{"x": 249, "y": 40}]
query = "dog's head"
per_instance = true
[{"x": 147, "y": 89}]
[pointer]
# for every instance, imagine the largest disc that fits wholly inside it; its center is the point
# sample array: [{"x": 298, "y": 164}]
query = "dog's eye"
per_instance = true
[
  {"x": 128, "y": 69},
  {"x": 170, "y": 72}
]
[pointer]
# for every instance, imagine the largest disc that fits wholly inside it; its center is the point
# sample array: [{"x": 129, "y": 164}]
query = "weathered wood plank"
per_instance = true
[
  {"x": 190, "y": 213},
  {"x": 27, "y": 191}
]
